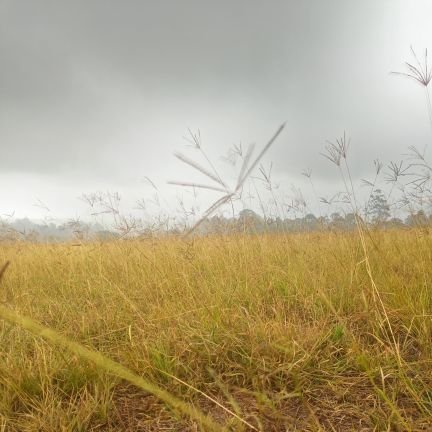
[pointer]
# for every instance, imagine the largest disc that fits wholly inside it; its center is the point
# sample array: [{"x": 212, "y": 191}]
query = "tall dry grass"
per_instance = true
[{"x": 278, "y": 332}]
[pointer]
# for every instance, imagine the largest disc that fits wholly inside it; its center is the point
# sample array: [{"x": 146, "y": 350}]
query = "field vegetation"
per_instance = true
[
  {"x": 250, "y": 329},
  {"x": 265, "y": 332}
]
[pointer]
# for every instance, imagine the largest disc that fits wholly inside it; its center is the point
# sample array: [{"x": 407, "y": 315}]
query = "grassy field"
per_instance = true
[{"x": 269, "y": 332}]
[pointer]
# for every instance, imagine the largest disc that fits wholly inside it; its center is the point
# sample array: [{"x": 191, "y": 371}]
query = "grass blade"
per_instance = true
[
  {"x": 108, "y": 365},
  {"x": 196, "y": 185},
  {"x": 201, "y": 169},
  {"x": 256, "y": 161}
]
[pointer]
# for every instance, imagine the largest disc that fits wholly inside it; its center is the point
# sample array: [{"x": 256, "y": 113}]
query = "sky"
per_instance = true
[{"x": 97, "y": 95}]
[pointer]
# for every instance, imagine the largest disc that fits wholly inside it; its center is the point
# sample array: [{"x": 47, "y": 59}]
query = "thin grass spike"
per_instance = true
[
  {"x": 259, "y": 157},
  {"x": 245, "y": 162},
  {"x": 197, "y": 185},
  {"x": 200, "y": 168},
  {"x": 3, "y": 269},
  {"x": 209, "y": 211}
]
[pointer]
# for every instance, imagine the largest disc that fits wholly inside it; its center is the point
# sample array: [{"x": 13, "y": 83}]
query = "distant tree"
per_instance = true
[
  {"x": 336, "y": 221},
  {"x": 250, "y": 221},
  {"x": 379, "y": 208},
  {"x": 310, "y": 219},
  {"x": 350, "y": 221},
  {"x": 418, "y": 219},
  {"x": 323, "y": 221}
]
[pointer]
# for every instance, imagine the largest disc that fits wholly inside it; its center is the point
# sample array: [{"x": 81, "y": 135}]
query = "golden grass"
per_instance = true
[{"x": 272, "y": 332}]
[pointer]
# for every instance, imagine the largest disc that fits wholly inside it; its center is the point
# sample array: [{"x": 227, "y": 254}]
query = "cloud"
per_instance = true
[{"x": 104, "y": 90}]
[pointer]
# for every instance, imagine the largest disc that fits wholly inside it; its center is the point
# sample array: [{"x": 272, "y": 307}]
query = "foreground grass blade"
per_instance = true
[
  {"x": 110, "y": 366},
  {"x": 3, "y": 269}
]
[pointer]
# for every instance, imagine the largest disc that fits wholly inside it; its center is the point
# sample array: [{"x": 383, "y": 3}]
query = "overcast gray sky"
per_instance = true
[{"x": 97, "y": 94}]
